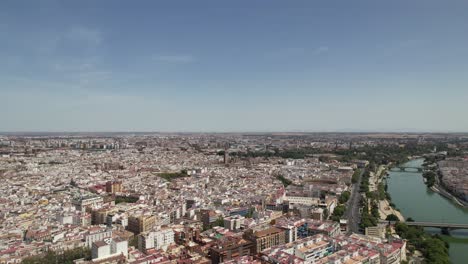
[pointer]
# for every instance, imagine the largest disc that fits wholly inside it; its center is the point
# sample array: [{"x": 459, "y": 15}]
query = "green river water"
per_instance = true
[{"x": 411, "y": 196}]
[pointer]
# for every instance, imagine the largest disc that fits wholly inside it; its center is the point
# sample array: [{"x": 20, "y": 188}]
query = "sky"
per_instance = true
[{"x": 233, "y": 66}]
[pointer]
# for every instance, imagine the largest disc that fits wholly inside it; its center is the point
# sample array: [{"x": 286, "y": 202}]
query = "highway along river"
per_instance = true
[{"x": 411, "y": 196}]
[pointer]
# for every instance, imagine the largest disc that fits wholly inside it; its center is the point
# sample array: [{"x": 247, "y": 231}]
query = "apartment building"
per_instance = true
[
  {"x": 142, "y": 223},
  {"x": 266, "y": 238}
]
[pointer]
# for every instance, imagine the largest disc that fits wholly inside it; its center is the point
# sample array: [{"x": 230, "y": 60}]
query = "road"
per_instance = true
[{"x": 352, "y": 207}]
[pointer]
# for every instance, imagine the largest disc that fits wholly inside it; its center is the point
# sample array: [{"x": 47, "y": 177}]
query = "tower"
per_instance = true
[{"x": 226, "y": 156}]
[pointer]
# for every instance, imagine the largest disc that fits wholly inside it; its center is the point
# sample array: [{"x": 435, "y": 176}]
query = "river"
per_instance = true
[{"x": 411, "y": 196}]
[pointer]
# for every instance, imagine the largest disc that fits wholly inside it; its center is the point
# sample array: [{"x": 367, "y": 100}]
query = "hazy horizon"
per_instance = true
[
  {"x": 243, "y": 66},
  {"x": 241, "y": 131}
]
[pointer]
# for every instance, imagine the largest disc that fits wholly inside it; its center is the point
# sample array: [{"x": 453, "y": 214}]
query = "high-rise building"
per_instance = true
[
  {"x": 208, "y": 217},
  {"x": 114, "y": 186},
  {"x": 266, "y": 238},
  {"x": 226, "y": 156},
  {"x": 142, "y": 223},
  {"x": 99, "y": 216}
]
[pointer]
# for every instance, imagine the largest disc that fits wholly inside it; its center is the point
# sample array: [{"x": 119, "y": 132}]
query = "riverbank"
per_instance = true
[
  {"x": 410, "y": 194},
  {"x": 434, "y": 172},
  {"x": 385, "y": 209},
  {"x": 445, "y": 193}
]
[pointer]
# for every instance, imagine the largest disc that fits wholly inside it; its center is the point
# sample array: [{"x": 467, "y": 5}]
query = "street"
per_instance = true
[{"x": 352, "y": 207}]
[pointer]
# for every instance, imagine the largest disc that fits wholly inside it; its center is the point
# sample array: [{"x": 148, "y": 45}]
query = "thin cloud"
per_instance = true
[
  {"x": 287, "y": 52},
  {"x": 294, "y": 52},
  {"x": 67, "y": 67},
  {"x": 174, "y": 58},
  {"x": 400, "y": 47},
  {"x": 84, "y": 71},
  {"x": 92, "y": 37},
  {"x": 321, "y": 50},
  {"x": 90, "y": 77}
]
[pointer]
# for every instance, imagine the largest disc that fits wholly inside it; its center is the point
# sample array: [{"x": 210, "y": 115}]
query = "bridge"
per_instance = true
[
  {"x": 443, "y": 226},
  {"x": 407, "y": 169}
]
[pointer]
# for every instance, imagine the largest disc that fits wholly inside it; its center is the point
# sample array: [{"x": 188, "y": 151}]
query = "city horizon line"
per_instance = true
[{"x": 242, "y": 131}]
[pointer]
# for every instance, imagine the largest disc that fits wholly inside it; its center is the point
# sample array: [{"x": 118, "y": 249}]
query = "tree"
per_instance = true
[
  {"x": 325, "y": 213},
  {"x": 344, "y": 197},
  {"x": 219, "y": 221},
  {"x": 338, "y": 213},
  {"x": 382, "y": 191},
  {"x": 430, "y": 177},
  {"x": 67, "y": 257},
  {"x": 401, "y": 228},
  {"x": 367, "y": 219},
  {"x": 375, "y": 210},
  {"x": 286, "y": 182},
  {"x": 355, "y": 177},
  {"x": 250, "y": 213},
  {"x": 126, "y": 199},
  {"x": 434, "y": 249},
  {"x": 133, "y": 242},
  {"x": 392, "y": 217}
]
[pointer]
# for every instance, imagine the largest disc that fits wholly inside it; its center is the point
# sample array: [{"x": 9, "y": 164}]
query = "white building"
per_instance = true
[
  {"x": 302, "y": 200},
  {"x": 65, "y": 219},
  {"x": 145, "y": 241},
  {"x": 93, "y": 201},
  {"x": 163, "y": 238},
  {"x": 100, "y": 249},
  {"x": 233, "y": 222},
  {"x": 313, "y": 248},
  {"x": 156, "y": 239},
  {"x": 109, "y": 248},
  {"x": 119, "y": 246},
  {"x": 122, "y": 220},
  {"x": 97, "y": 235}
]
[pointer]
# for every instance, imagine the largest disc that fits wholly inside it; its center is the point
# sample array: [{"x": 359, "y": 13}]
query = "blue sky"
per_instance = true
[{"x": 234, "y": 65}]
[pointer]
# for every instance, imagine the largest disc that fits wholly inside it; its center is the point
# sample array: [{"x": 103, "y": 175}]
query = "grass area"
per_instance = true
[
  {"x": 67, "y": 257},
  {"x": 169, "y": 176},
  {"x": 285, "y": 181},
  {"x": 126, "y": 199}
]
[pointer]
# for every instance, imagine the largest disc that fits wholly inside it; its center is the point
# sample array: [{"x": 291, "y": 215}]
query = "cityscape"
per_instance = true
[
  {"x": 220, "y": 197},
  {"x": 236, "y": 132}
]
